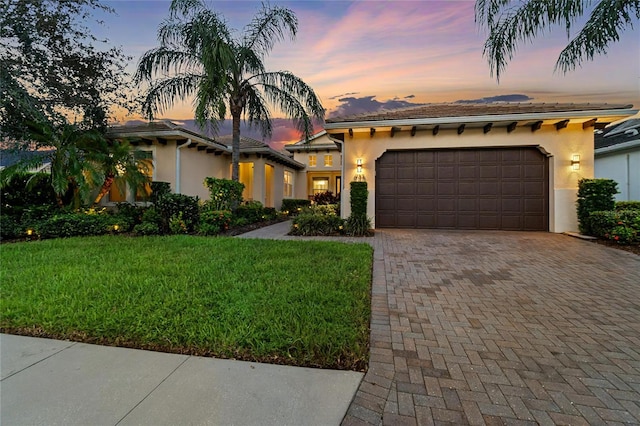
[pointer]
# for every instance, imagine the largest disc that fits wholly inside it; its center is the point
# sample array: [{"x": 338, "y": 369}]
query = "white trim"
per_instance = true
[{"x": 618, "y": 147}]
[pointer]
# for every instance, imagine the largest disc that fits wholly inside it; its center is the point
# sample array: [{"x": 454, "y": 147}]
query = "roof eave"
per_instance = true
[{"x": 611, "y": 113}]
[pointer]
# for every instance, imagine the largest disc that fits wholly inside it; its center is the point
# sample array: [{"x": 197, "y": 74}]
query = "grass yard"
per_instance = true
[{"x": 286, "y": 302}]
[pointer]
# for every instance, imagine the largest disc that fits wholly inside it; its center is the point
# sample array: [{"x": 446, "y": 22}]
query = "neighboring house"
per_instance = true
[
  {"x": 323, "y": 165},
  {"x": 490, "y": 166},
  {"x": 185, "y": 158},
  {"x": 617, "y": 157}
]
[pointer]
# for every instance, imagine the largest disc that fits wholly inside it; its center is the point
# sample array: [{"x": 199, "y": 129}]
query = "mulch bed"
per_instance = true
[
  {"x": 635, "y": 248},
  {"x": 251, "y": 227}
]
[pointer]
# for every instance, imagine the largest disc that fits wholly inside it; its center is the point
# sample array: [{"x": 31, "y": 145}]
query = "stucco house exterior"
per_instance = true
[
  {"x": 323, "y": 165},
  {"x": 617, "y": 157},
  {"x": 465, "y": 166},
  {"x": 184, "y": 158}
]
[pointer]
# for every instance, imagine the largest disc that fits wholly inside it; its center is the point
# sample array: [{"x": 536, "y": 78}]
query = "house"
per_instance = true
[
  {"x": 323, "y": 165},
  {"x": 496, "y": 166},
  {"x": 184, "y": 158},
  {"x": 617, "y": 157}
]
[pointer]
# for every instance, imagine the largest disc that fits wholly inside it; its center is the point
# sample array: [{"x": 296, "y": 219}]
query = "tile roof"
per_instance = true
[
  {"x": 468, "y": 110},
  {"x": 245, "y": 143},
  {"x": 627, "y": 131}
]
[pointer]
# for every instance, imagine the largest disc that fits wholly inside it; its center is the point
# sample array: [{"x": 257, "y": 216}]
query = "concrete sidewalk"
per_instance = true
[{"x": 51, "y": 382}]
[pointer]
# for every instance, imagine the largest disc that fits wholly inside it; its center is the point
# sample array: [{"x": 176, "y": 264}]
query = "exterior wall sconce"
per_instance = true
[
  {"x": 350, "y": 132},
  {"x": 359, "y": 175},
  {"x": 575, "y": 162}
]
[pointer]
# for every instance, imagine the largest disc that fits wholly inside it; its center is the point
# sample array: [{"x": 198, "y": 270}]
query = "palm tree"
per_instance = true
[
  {"x": 199, "y": 57},
  {"x": 510, "y": 24}
]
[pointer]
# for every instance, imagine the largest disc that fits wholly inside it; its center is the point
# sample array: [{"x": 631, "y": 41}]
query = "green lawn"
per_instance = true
[{"x": 286, "y": 302}]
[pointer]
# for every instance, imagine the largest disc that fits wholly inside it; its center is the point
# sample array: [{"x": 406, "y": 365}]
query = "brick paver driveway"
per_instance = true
[{"x": 501, "y": 328}]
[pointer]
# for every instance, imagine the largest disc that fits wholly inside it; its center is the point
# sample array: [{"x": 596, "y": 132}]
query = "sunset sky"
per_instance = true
[{"x": 370, "y": 53}]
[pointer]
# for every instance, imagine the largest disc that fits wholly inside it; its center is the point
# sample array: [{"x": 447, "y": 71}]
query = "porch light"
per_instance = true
[
  {"x": 575, "y": 162},
  {"x": 359, "y": 166}
]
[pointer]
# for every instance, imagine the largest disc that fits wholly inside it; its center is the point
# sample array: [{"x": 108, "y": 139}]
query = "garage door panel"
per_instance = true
[
  {"x": 426, "y": 172},
  {"x": 425, "y": 188},
  {"x": 466, "y": 205},
  {"x": 446, "y": 172},
  {"x": 446, "y": 188},
  {"x": 406, "y": 188},
  {"x": 468, "y": 172},
  {"x": 489, "y": 171},
  {"x": 468, "y": 188},
  {"x": 479, "y": 188}
]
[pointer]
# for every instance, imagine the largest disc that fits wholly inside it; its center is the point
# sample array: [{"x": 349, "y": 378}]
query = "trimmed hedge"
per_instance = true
[
  {"x": 621, "y": 226},
  {"x": 594, "y": 195},
  {"x": 627, "y": 205}
]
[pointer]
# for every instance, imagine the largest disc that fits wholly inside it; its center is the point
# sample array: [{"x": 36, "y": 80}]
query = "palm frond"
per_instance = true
[
  {"x": 607, "y": 21},
  {"x": 257, "y": 112},
  {"x": 295, "y": 86},
  {"x": 268, "y": 27},
  {"x": 509, "y": 26},
  {"x": 163, "y": 93},
  {"x": 291, "y": 106},
  {"x": 164, "y": 60}
]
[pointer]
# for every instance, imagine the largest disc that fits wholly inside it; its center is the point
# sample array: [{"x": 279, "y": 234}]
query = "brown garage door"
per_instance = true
[{"x": 489, "y": 188}]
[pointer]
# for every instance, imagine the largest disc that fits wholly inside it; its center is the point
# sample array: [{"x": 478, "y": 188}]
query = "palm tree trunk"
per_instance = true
[
  {"x": 106, "y": 187},
  {"x": 235, "y": 145}
]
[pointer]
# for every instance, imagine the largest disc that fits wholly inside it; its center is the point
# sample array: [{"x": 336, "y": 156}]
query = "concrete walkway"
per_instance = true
[
  {"x": 51, "y": 382},
  {"x": 501, "y": 328}
]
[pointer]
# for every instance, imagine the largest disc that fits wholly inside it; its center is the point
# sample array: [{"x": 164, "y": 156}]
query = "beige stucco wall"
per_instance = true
[
  {"x": 559, "y": 144},
  {"x": 195, "y": 166}
]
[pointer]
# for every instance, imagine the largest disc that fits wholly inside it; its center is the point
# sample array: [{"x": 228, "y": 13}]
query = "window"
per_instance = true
[
  {"x": 338, "y": 185},
  {"x": 145, "y": 161},
  {"x": 320, "y": 185},
  {"x": 288, "y": 184},
  {"x": 312, "y": 160},
  {"x": 328, "y": 160}
]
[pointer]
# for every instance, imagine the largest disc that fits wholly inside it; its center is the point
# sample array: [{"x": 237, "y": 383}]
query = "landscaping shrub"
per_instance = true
[
  {"x": 170, "y": 206},
  {"x": 129, "y": 215},
  {"x": 224, "y": 194},
  {"x": 212, "y": 222},
  {"x": 627, "y": 205},
  {"x": 75, "y": 225},
  {"x": 292, "y": 206},
  {"x": 177, "y": 225},
  {"x": 308, "y": 224},
  {"x": 358, "y": 223},
  {"x": 323, "y": 198},
  {"x": 594, "y": 195},
  {"x": 620, "y": 226},
  {"x": 28, "y": 191},
  {"x": 252, "y": 211},
  {"x": 146, "y": 228},
  {"x": 359, "y": 195},
  {"x": 10, "y": 228},
  {"x": 358, "y": 226},
  {"x": 159, "y": 190}
]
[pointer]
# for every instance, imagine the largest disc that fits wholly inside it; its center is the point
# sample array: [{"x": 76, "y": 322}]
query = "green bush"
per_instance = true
[
  {"x": 621, "y": 226},
  {"x": 359, "y": 195},
  {"x": 224, "y": 194},
  {"x": 308, "y": 224},
  {"x": 212, "y": 222},
  {"x": 323, "y": 198},
  {"x": 75, "y": 225},
  {"x": 27, "y": 191},
  {"x": 129, "y": 215},
  {"x": 159, "y": 190},
  {"x": 594, "y": 195},
  {"x": 252, "y": 211},
  {"x": 177, "y": 225},
  {"x": 627, "y": 205},
  {"x": 146, "y": 228},
  {"x": 10, "y": 228},
  {"x": 172, "y": 205},
  {"x": 292, "y": 206},
  {"x": 358, "y": 226}
]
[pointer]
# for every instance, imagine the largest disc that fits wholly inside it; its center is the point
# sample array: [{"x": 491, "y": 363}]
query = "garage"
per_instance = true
[{"x": 504, "y": 188}]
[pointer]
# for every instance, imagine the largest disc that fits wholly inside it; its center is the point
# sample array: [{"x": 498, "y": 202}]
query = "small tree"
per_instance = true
[
  {"x": 224, "y": 194},
  {"x": 594, "y": 195},
  {"x": 358, "y": 223}
]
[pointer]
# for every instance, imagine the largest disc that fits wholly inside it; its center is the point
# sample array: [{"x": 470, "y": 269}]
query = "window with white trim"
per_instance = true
[
  {"x": 312, "y": 160},
  {"x": 288, "y": 184},
  {"x": 328, "y": 160}
]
